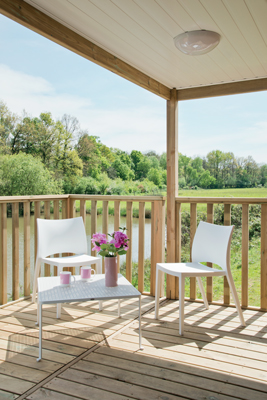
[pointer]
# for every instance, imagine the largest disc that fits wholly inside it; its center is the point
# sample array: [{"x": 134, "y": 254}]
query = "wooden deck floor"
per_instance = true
[{"x": 93, "y": 355}]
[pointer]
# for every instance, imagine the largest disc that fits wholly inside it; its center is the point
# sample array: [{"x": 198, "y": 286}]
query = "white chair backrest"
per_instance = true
[
  {"x": 61, "y": 236},
  {"x": 212, "y": 244}
]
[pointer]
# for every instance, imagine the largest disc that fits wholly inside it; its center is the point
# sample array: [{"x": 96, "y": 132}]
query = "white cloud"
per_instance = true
[{"x": 139, "y": 128}]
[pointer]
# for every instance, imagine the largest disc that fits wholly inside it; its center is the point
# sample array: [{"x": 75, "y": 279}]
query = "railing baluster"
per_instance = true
[
  {"x": 56, "y": 216},
  {"x": 15, "y": 251},
  {"x": 37, "y": 207},
  {"x": 104, "y": 225},
  {"x": 193, "y": 227},
  {"x": 210, "y": 219},
  {"x": 83, "y": 210},
  {"x": 264, "y": 256},
  {"x": 3, "y": 254},
  {"x": 129, "y": 226},
  {"x": 27, "y": 254},
  {"x": 178, "y": 238},
  {"x": 47, "y": 216},
  {"x": 245, "y": 246},
  {"x": 64, "y": 209},
  {"x": 158, "y": 243},
  {"x": 227, "y": 222},
  {"x": 117, "y": 216},
  {"x": 93, "y": 225},
  {"x": 141, "y": 246}
]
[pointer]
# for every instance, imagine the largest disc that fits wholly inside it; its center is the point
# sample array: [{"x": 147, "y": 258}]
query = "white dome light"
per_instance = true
[{"x": 195, "y": 43}]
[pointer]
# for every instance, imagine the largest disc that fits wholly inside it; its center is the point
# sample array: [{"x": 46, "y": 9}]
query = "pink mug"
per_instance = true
[
  {"x": 86, "y": 272},
  {"x": 65, "y": 278}
]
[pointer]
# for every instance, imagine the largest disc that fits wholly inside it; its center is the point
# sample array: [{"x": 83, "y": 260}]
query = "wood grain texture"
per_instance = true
[
  {"x": 178, "y": 240},
  {"x": 41, "y": 23},
  {"x": 56, "y": 216},
  {"x": 193, "y": 228},
  {"x": 27, "y": 249},
  {"x": 172, "y": 184},
  {"x": 245, "y": 247},
  {"x": 15, "y": 251},
  {"x": 117, "y": 219},
  {"x": 227, "y": 222},
  {"x": 264, "y": 256},
  {"x": 37, "y": 206},
  {"x": 83, "y": 210},
  {"x": 93, "y": 223},
  {"x": 141, "y": 246},
  {"x": 226, "y": 89},
  {"x": 3, "y": 254},
  {"x": 129, "y": 226},
  {"x": 210, "y": 219},
  {"x": 157, "y": 242}
]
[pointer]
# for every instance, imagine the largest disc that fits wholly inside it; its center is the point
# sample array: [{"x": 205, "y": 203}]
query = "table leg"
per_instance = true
[
  {"x": 58, "y": 310},
  {"x": 37, "y": 321},
  {"x": 40, "y": 332},
  {"x": 140, "y": 332},
  {"x": 181, "y": 304}
]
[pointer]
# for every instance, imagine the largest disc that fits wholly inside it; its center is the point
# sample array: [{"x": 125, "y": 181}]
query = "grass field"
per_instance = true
[{"x": 236, "y": 261}]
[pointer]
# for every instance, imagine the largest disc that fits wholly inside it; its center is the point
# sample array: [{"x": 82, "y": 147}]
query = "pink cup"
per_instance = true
[
  {"x": 86, "y": 272},
  {"x": 65, "y": 278}
]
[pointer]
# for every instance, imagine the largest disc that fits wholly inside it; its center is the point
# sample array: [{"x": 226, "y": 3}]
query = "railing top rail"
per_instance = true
[
  {"x": 222, "y": 200},
  {"x": 24, "y": 199},
  {"x": 120, "y": 198}
]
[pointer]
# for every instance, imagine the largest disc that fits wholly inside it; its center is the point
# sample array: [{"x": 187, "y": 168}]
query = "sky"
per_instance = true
[{"x": 37, "y": 75}]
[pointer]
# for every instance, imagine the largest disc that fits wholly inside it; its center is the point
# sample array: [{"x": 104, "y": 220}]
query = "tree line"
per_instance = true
[{"x": 40, "y": 155}]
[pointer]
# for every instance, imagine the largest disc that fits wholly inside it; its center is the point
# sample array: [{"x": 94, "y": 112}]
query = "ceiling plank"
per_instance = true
[
  {"x": 248, "y": 86},
  {"x": 30, "y": 17}
]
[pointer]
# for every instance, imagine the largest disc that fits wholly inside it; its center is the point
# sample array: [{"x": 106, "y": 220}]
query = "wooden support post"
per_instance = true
[
  {"x": 227, "y": 222},
  {"x": 141, "y": 247},
  {"x": 15, "y": 251},
  {"x": 193, "y": 228},
  {"x": 117, "y": 218},
  {"x": 178, "y": 239},
  {"x": 27, "y": 255},
  {"x": 129, "y": 226},
  {"x": 264, "y": 256},
  {"x": 210, "y": 219},
  {"x": 172, "y": 184},
  {"x": 245, "y": 245},
  {"x": 3, "y": 254}
]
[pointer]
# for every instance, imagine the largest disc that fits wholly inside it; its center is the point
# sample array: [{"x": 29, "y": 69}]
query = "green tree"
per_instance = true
[
  {"x": 8, "y": 122},
  {"x": 154, "y": 176},
  {"x": 24, "y": 175}
]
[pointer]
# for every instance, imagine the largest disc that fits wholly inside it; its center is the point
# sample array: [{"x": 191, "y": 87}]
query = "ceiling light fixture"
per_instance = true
[{"x": 195, "y": 43}]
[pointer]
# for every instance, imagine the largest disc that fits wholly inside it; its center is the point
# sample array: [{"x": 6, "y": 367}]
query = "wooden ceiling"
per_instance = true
[{"x": 140, "y": 33}]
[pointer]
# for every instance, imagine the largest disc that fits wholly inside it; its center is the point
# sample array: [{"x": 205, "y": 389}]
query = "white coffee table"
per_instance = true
[{"x": 50, "y": 291}]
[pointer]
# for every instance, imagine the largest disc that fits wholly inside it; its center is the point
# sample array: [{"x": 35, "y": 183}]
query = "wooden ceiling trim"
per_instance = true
[
  {"x": 30, "y": 17},
  {"x": 248, "y": 86}
]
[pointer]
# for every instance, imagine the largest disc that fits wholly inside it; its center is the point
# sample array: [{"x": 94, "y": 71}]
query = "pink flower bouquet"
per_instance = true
[{"x": 118, "y": 245}]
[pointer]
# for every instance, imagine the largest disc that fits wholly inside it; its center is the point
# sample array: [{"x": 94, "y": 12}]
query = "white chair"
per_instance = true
[
  {"x": 211, "y": 244},
  {"x": 62, "y": 236}
]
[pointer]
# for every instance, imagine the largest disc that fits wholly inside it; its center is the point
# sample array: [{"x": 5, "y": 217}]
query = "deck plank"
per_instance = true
[{"x": 89, "y": 354}]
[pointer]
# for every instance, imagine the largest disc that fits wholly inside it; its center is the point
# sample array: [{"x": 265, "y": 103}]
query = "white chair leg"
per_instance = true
[
  {"x": 59, "y": 269},
  {"x": 36, "y": 275},
  {"x": 201, "y": 287},
  {"x": 157, "y": 289},
  {"x": 236, "y": 300},
  {"x": 181, "y": 305}
]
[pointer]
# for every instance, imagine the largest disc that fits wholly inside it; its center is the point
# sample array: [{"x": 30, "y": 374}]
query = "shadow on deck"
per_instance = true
[{"x": 89, "y": 354}]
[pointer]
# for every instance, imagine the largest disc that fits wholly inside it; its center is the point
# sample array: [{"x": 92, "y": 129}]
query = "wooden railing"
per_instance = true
[
  {"x": 227, "y": 202},
  {"x": 64, "y": 206}
]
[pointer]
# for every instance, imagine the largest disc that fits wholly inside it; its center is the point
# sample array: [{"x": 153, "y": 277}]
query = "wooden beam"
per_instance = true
[
  {"x": 225, "y": 89},
  {"x": 30, "y": 17},
  {"x": 172, "y": 184}
]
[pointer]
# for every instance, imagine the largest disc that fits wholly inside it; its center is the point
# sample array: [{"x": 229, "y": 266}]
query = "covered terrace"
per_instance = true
[{"x": 91, "y": 355}]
